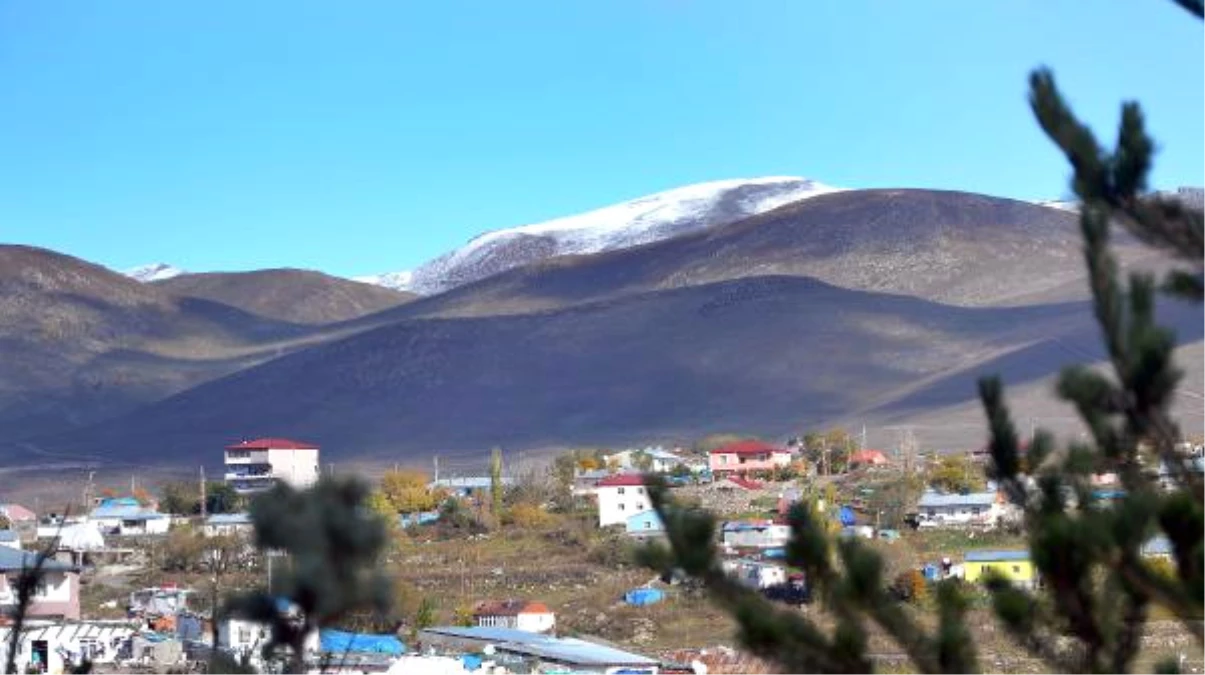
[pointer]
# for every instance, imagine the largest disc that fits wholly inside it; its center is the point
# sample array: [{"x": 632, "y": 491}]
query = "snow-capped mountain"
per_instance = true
[
  {"x": 631, "y": 223},
  {"x": 1193, "y": 197},
  {"x": 1060, "y": 204},
  {"x": 398, "y": 281},
  {"x": 153, "y": 272}
]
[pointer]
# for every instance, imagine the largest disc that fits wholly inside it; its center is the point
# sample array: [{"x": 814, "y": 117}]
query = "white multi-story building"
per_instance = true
[
  {"x": 620, "y": 496},
  {"x": 254, "y": 466}
]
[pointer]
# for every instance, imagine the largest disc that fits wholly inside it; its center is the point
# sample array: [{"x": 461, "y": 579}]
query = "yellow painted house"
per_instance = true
[{"x": 1013, "y": 565}]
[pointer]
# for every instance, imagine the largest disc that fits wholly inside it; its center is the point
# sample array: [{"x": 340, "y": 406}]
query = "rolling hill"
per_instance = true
[
  {"x": 296, "y": 296},
  {"x": 81, "y": 342},
  {"x": 763, "y": 355},
  {"x": 950, "y": 247},
  {"x": 875, "y": 307}
]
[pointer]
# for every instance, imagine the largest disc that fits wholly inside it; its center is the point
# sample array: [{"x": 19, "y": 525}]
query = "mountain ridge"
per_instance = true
[{"x": 652, "y": 217}]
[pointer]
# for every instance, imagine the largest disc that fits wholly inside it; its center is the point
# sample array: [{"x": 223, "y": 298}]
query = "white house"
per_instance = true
[
  {"x": 242, "y": 637},
  {"x": 60, "y": 645},
  {"x": 255, "y": 466},
  {"x": 660, "y": 460},
  {"x": 755, "y": 573},
  {"x": 56, "y": 597},
  {"x": 755, "y": 534},
  {"x": 125, "y": 516},
  {"x": 534, "y": 617},
  {"x": 620, "y": 496},
  {"x": 228, "y": 523},
  {"x": 974, "y": 508}
]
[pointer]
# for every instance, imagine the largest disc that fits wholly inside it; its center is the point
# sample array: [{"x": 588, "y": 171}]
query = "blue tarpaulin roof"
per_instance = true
[
  {"x": 644, "y": 596},
  {"x": 337, "y": 641},
  {"x": 847, "y": 516}
]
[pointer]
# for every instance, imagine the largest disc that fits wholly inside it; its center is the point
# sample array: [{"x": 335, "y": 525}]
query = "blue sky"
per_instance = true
[{"x": 368, "y": 136}]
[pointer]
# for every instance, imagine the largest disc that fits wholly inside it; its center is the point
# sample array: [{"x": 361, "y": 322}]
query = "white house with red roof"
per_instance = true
[
  {"x": 620, "y": 496},
  {"x": 533, "y": 617},
  {"x": 745, "y": 456},
  {"x": 256, "y": 465}
]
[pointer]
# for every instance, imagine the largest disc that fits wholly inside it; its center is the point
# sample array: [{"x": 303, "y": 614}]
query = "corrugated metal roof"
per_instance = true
[
  {"x": 12, "y": 560},
  {"x": 124, "y": 512},
  {"x": 229, "y": 519},
  {"x": 995, "y": 556},
  {"x": 622, "y": 480},
  {"x": 749, "y": 448},
  {"x": 564, "y": 650},
  {"x": 9, "y": 535},
  {"x": 936, "y": 499}
]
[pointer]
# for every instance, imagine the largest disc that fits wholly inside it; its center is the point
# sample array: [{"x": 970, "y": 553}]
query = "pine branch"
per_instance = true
[{"x": 1194, "y": 7}]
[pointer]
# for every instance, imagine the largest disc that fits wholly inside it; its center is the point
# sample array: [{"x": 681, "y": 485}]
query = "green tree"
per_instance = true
[
  {"x": 1098, "y": 590},
  {"x": 221, "y": 497},
  {"x": 956, "y": 473},
  {"x": 829, "y": 451},
  {"x": 332, "y": 543},
  {"x": 179, "y": 498},
  {"x": 424, "y": 616},
  {"x": 496, "y": 482},
  {"x": 642, "y": 461}
]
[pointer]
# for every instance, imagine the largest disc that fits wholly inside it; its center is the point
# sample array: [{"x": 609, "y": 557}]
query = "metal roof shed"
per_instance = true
[{"x": 566, "y": 651}]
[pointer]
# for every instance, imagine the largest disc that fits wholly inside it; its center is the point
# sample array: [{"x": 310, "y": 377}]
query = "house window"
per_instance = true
[
  {"x": 1016, "y": 569},
  {"x": 975, "y": 511},
  {"x": 639, "y": 491},
  {"x": 620, "y": 490},
  {"x": 621, "y": 507},
  {"x": 244, "y": 634},
  {"x": 648, "y": 525},
  {"x": 639, "y": 506}
]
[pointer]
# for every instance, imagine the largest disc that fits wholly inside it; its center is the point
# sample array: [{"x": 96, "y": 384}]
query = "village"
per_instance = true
[{"x": 546, "y": 583}]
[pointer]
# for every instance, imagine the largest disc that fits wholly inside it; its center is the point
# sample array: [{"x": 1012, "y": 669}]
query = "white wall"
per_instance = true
[
  {"x": 536, "y": 622},
  {"x": 240, "y": 635},
  {"x": 298, "y": 468},
  {"x": 963, "y": 513},
  {"x": 616, "y": 503}
]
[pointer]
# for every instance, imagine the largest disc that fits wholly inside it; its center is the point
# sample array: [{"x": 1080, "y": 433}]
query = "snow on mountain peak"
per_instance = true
[
  {"x": 398, "y": 281},
  {"x": 153, "y": 272},
  {"x": 631, "y": 223}
]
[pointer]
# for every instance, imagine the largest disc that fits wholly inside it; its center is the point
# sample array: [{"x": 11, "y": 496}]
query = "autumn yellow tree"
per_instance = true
[{"x": 407, "y": 491}]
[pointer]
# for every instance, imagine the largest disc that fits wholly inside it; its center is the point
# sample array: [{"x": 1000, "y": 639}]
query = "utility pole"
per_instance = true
[
  {"x": 435, "y": 476},
  {"x": 88, "y": 491},
  {"x": 862, "y": 444},
  {"x": 204, "y": 497}
]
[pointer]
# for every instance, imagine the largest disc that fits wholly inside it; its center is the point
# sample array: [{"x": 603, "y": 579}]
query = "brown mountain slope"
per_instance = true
[
  {"x": 952, "y": 247},
  {"x": 296, "y": 296},
  {"x": 763, "y": 355},
  {"x": 81, "y": 342}
]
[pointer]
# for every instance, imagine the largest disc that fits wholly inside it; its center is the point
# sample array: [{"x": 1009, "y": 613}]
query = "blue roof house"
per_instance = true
[
  {"x": 125, "y": 516},
  {"x": 985, "y": 508},
  {"x": 645, "y": 524}
]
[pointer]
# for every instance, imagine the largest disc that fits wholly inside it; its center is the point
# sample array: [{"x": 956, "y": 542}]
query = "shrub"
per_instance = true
[{"x": 529, "y": 516}]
